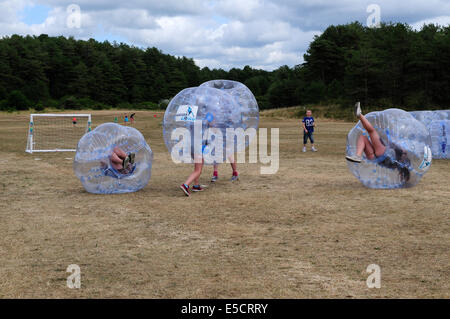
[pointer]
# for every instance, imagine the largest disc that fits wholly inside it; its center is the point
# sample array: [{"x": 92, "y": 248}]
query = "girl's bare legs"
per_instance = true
[
  {"x": 363, "y": 145},
  {"x": 375, "y": 141},
  {"x": 233, "y": 166},
  {"x": 235, "y": 175},
  {"x": 119, "y": 152},
  {"x": 215, "y": 176},
  {"x": 194, "y": 177},
  {"x": 196, "y": 181},
  {"x": 199, "y": 169},
  {"x": 117, "y": 158},
  {"x": 232, "y": 162}
]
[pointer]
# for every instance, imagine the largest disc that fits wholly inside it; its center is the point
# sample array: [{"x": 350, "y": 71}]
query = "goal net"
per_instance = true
[{"x": 56, "y": 132}]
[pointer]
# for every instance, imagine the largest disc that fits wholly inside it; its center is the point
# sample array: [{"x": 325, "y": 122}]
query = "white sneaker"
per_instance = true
[
  {"x": 354, "y": 159},
  {"x": 304, "y": 149},
  {"x": 358, "y": 109},
  {"x": 314, "y": 149}
]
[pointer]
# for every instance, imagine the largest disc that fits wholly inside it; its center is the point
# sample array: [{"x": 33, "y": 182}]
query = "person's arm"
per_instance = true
[{"x": 304, "y": 126}]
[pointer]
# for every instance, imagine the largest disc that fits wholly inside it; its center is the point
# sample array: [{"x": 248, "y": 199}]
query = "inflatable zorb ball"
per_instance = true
[
  {"x": 407, "y": 157},
  {"x": 198, "y": 120},
  {"x": 427, "y": 117},
  {"x": 247, "y": 106},
  {"x": 92, "y": 163},
  {"x": 438, "y": 124},
  {"x": 440, "y": 138}
]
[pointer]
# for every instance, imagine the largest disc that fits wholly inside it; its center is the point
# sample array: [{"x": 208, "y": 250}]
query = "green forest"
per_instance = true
[{"x": 389, "y": 66}]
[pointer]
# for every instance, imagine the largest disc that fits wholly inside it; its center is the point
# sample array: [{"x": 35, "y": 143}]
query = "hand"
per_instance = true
[{"x": 306, "y": 131}]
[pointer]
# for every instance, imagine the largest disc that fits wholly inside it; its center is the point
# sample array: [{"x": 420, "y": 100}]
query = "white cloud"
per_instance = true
[{"x": 442, "y": 20}]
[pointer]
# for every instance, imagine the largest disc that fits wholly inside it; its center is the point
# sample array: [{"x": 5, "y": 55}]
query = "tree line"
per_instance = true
[{"x": 390, "y": 66}]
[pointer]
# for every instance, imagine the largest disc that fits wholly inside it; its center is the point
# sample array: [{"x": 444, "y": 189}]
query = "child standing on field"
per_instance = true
[{"x": 308, "y": 130}]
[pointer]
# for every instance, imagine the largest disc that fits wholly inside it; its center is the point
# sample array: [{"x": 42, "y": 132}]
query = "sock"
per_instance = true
[{"x": 216, "y": 173}]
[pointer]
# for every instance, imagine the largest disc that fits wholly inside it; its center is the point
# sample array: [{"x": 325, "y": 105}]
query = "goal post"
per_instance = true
[{"x": 56, "y": 132}]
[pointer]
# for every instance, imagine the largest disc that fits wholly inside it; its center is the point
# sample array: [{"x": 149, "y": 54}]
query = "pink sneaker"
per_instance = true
[{"x": 185, "y": 190}]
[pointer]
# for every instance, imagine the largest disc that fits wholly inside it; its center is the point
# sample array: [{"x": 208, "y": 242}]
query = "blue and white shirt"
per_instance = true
[{"x": 309, "y": 123}]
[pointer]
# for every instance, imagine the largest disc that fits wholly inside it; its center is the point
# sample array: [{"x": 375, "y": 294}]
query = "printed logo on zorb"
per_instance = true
[{"x": 186, "y": 113}]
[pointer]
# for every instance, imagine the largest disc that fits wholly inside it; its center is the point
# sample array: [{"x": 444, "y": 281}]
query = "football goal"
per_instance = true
[{"x": 56, "y": 132}]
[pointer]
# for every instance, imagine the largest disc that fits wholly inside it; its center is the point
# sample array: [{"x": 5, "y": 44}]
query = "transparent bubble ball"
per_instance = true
[
  {"x": 408, "y": 151},
  {"x": 440, "y": 139},
  {"x": 437, "y": 123},
  {"x": 426, "y": 117},
  {"x": 92, "y": 163},
  {"x": 247, "y": 105},
  {"x": 213, "y": 111}
]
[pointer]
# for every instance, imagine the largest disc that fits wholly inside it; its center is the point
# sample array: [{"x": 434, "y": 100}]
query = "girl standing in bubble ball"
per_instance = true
[
  {"x": 199, "y": 161},
  {"x": 235, "y": 175}
]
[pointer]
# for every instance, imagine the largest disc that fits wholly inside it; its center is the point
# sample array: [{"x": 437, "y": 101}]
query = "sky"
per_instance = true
[{"x": 264, "y": 34}]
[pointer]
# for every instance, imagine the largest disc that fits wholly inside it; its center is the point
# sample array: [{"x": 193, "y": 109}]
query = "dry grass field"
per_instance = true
[{"x": 309, "y": 231}]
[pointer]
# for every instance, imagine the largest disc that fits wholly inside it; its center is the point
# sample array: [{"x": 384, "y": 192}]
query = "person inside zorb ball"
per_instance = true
[
  {"x": 208, "y": 124},
  {"x": 198, "y": 121},
  {"x": 113, "y": 159},
  {"x": 247, "y": 109},
  {"x": 388, "y": 149}
]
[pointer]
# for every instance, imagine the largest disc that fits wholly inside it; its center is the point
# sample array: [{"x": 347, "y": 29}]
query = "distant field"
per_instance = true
[{"x": 309, "y": 231}]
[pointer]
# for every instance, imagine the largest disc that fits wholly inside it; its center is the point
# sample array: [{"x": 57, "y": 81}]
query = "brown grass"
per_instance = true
[{"x": 308, "y": 231}]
